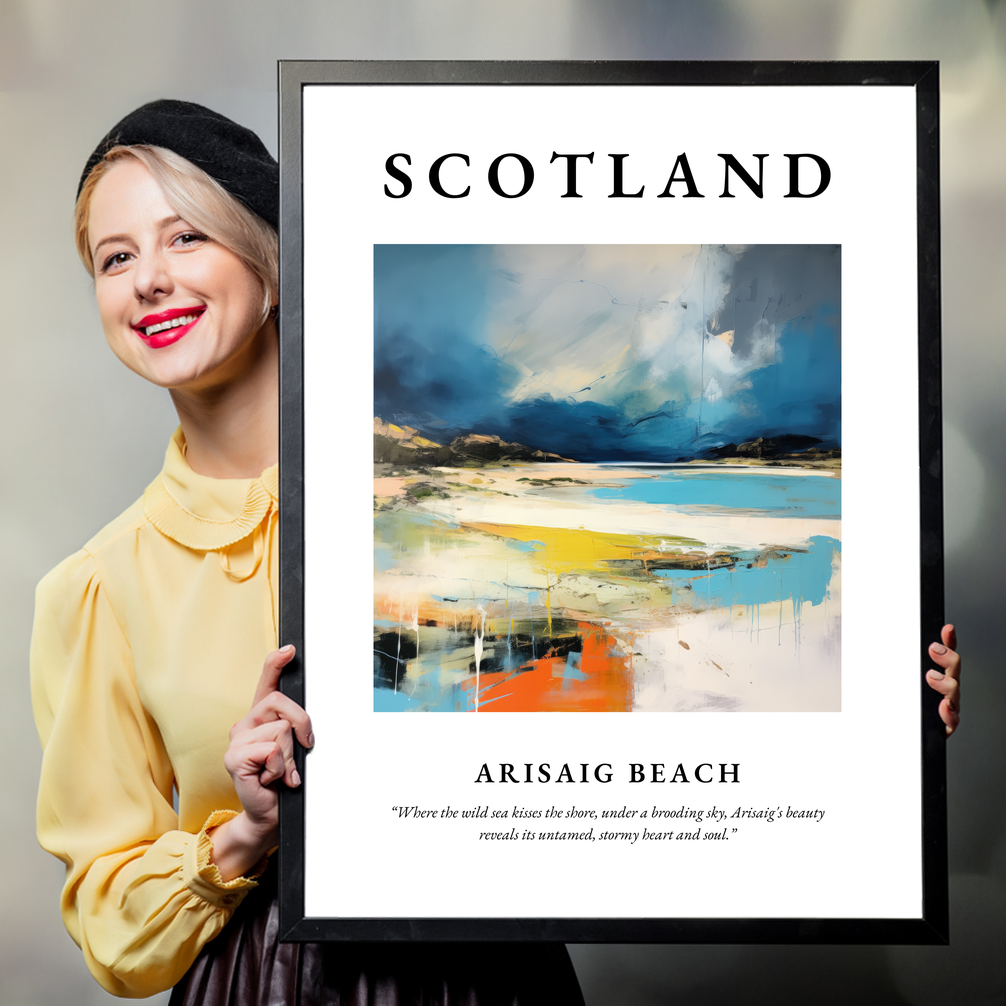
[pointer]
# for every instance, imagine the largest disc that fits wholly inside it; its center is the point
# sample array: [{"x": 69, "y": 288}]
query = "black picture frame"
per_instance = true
[{"x": 931, "y": 927}]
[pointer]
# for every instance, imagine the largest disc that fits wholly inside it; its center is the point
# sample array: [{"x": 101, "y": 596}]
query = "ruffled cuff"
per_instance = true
[{"x": 203, "y": 878}]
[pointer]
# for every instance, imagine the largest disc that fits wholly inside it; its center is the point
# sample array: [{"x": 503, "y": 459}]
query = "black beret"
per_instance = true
[{"x": 231, "y": 154}]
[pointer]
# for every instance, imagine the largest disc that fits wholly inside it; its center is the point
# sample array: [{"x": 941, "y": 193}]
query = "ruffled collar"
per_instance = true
[{"x": 203, "y": 513}]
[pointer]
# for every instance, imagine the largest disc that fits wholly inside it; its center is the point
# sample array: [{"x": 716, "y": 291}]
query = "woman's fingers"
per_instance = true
[
  {"x": 261, "y": 749},
  {"x": 277, "y": 706},
  {"x": 947, "y": 686},
  {"x": 261, "y": 761},
  {"x": 949, "y": 710},
  {"x": 949, "y": 636},
  {"x": 270, "y": 703},
  {"x": 948, "y": 659},
  {"x": 946, "y": 656},
  {"x": 277, "y": 735},
  {"x": 950, "y": 716},
  {"x": 274, "y": 766},
  {"x": 947, "y": 681},
  {"x": 271, "y": 671}
]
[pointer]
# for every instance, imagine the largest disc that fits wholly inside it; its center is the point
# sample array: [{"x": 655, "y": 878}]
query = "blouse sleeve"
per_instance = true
[{"x": 141, "y": 898}]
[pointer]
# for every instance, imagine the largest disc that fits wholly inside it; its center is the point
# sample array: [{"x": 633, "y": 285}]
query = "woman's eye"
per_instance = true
[
  {"x": 190, "y": 238},
  {"x": 114, "y": 261}
]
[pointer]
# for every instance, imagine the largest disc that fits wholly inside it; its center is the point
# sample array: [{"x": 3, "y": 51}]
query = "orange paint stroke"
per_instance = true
[{"x": 542, "y": 685}]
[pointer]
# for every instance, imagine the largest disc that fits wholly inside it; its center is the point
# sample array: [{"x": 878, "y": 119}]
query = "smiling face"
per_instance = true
[{"x": 177, "y": 307}]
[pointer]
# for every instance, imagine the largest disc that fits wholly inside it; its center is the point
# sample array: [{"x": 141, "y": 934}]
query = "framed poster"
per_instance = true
[{"x": 611, "y": 501}]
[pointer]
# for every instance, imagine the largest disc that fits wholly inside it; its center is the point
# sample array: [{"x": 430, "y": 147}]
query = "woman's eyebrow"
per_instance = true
[
  {"x": 109, "y": 240},
  {"x": 160, "y": 225}
]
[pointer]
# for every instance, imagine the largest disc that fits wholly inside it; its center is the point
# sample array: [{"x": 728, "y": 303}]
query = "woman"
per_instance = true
[{"x": 148, "y": 643}]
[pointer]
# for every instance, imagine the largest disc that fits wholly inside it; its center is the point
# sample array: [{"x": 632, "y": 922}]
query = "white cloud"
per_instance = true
[{"x": 605, "y": 322}]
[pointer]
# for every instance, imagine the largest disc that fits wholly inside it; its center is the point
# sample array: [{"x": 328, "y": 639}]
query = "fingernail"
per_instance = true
[
  {"x": 295, "y": 777},
  {"x": 287, "y": 649},
  {"x": 936, "y": 675},
  {"x": 938, "y": 648},
  {"x": 310, "y": 740}
]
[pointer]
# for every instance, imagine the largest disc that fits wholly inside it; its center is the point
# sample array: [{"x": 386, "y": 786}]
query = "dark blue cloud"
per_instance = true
[{"x": 437, "y": 368}]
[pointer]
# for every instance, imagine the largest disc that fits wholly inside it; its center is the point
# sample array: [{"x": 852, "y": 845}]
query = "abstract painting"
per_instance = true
[{"x": 607, "y": 478}]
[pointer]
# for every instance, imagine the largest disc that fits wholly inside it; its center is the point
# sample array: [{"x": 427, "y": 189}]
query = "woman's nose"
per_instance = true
[{"x": 152, "y": 277}]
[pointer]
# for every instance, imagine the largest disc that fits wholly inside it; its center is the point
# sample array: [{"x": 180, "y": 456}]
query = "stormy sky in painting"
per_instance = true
[{"x": 609, "y": 352}]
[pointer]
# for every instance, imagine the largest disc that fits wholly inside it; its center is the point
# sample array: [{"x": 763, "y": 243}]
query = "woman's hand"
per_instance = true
[
  {"x": 948, "y": 681},
  {"x": 260, "y": 753}
]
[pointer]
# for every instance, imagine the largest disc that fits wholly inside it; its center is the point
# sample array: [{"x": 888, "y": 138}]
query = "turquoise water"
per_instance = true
[
  {"x": 777, "y": 495},
  {"x": 759, "y": 578},
  {"x": 755, "y": 576}
]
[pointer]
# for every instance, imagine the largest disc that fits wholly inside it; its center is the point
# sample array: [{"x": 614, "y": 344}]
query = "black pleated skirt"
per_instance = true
[{"x": 246, "y": 965}]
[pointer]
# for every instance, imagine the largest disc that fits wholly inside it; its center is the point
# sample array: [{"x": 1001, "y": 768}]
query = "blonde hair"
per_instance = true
[{"x": 199, "y": 200}]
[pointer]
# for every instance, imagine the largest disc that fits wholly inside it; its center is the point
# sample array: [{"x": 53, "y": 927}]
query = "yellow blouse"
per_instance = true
[{"x": 147, "y": 647}]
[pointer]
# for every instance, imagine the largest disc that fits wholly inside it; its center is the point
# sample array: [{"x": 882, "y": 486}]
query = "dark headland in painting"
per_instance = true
[{"x": 407, "y": 447}]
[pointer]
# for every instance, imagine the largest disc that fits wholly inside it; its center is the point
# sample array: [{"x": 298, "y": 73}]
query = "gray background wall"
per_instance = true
[{"x": 81, "y": 436}]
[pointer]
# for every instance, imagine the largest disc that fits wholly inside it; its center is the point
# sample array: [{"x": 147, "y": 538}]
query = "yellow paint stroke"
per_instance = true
[{"x": 570, "y": 549}]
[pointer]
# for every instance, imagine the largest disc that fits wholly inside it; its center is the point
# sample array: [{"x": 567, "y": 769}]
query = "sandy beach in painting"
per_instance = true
[{"x": 607, "y": 587}]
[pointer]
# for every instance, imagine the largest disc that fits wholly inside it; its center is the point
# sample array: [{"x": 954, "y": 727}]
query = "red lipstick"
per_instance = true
[{"x": 165, "y": 332}]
